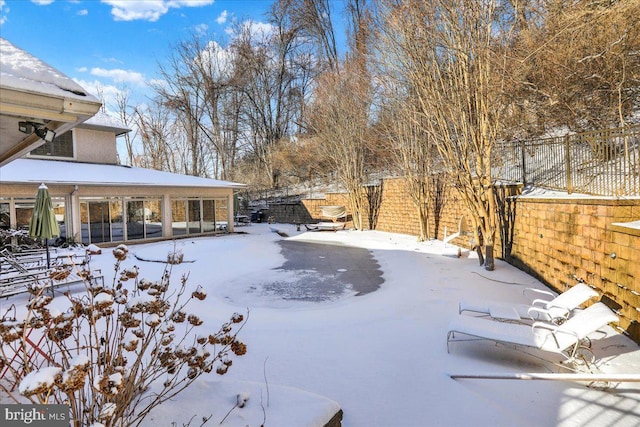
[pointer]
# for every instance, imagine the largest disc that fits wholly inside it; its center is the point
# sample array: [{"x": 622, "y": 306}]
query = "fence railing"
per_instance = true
[{"x": 603, "y": 162}]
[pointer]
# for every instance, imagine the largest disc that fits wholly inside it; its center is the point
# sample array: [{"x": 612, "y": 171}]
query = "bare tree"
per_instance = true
[
  {"x": 154, "y": 125},
  {"x": 415, "y": 157},
  {"x": 340, "y": 119},
  {"x": 123, "y": 107},
  {"x": 341, "y": 115},
  {"x": 274, "y": 71},
  {"x": 580, "y": 66},
  {"x": 195, "y": 82},
  {"x": 453, "y": 51},
  {"x": 313, "y": 18}
]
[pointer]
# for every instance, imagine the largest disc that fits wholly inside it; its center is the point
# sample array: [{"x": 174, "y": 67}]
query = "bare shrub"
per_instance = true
[{"x": 115, "y": 352}]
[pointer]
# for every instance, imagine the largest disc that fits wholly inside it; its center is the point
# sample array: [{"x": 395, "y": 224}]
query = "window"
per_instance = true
[
  {"x": 24, "y": 208},
  {"x": 144, "y": 218},
  {"x": 193, "y": 224},
  {"x": 195, "y": 216},
  {"x": 99, "y": 224},
  {"x": 208, "y": 216},
  {"x": 101, "y": 220},
  {"x": 179, "y": 217},
  {"x": 135, "y": 219},
  {"x": 61, "y": 146}
]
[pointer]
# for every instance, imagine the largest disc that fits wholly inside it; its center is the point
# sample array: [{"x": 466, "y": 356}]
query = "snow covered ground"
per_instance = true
[{"x": 382, "y": 356}]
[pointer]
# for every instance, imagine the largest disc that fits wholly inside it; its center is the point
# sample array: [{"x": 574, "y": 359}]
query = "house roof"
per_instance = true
[
  {"x": 31, "y": 90},
  {"x": 22, "y": 71},
  {"x": 36, "y": 171}
]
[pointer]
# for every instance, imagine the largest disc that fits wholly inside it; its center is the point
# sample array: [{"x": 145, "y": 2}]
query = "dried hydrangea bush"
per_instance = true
[{"x": 118, "y": 351}]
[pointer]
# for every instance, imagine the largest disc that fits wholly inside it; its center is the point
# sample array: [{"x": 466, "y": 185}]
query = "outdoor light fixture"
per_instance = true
[
  {"x": 39, "y": 129},
  {"x": 45, "y": 133},
  {"x": 26, "y": 127}
]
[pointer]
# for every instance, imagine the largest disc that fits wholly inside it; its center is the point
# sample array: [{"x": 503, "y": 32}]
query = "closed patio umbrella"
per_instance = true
[{"x": 43, "y": 222}]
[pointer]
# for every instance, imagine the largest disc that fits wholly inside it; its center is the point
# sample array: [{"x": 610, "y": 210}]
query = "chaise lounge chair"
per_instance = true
[
  {"x": 325, "y": 226},
  {"x": 556, "y": 309},
  {"x": 565, "y": 339}
]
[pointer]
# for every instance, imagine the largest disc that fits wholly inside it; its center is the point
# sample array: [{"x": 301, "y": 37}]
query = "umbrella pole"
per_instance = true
[{"x": 46, "y": 246}]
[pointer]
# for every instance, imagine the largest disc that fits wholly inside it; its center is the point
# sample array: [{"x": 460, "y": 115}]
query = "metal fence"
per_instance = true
[{"x": 604, "y": 162}]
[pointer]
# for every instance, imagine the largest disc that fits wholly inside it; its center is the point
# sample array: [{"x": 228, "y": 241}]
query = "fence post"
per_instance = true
[
  {"x": 567, "y": 156},
  {"x": 524, "y": 167}
]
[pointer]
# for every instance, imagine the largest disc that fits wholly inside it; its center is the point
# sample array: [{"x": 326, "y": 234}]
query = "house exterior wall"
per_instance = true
[{"x": 94, "y": 146}]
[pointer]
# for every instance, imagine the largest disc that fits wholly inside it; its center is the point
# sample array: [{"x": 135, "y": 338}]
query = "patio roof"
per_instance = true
[{"x": 35, "y": 171}]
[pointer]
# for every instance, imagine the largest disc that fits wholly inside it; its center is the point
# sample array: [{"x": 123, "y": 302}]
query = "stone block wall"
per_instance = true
[
  {"x": 564, "y": 240},
  {"x": 397, "y": 213},
  {"x": 293, "y": 213}
]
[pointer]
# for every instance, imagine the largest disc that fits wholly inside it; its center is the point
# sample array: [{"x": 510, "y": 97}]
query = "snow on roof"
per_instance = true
[
  {"x": 61, "y": 172},
  {"x": 104, "y": 120},
  {"x": 22, "y": 71}
]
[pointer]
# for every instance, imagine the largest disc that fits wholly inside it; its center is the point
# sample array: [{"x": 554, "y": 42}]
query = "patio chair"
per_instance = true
[
  {"x": 570, "y": 339},
  {"x": 463, "y": 230},
  {"x": 556, "y": 308}
]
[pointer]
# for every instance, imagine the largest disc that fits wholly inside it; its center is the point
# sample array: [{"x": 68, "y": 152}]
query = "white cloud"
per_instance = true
[
  {"x": 42, "y": 2},
  {"x": 201, "y": 29},
  {"x": 82, "y": 69},
  {"x": 158, "y": 82},
  {"x": 223, "y": 17},
  {"x": 260, "y": 29},
  {"x": 218, "y": 58},
  {"x": 106, "y": 93},
  {"x": 257, "y": 28},
  {"x": 148, "y": 10},
  {"x": 83, "y": 12},
  {"x": 120, "y": 76},
  {"x": 111, "y": 60},
  {"x": 3, "y": 12}
]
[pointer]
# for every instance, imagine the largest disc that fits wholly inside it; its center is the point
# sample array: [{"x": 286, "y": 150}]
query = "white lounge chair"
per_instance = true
[
  {"x": 556, "y": 308},
  {"x": 326, "y": 226},
  {"x": 565, "y": 339}
]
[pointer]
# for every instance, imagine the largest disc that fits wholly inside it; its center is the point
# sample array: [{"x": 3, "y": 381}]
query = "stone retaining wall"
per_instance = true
[{"x": 561, "y": 240}]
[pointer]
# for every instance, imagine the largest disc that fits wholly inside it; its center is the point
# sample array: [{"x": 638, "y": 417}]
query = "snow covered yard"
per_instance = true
[{"x": 381, "y": 357}]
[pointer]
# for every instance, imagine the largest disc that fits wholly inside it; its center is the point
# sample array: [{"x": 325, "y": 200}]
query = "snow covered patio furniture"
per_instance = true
[
  {"x": 19, "y": 272},
  {"x": 333, "y": 212},
  {"x": 567, "y": 339},
  {"x": 555, "y": 308},
  {"x": 463, "y": 230},
  {"x": 325, "y": 226}
]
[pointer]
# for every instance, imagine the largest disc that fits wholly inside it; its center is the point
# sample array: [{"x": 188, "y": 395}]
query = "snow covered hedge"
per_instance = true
[{"x": 114, "y": 352}]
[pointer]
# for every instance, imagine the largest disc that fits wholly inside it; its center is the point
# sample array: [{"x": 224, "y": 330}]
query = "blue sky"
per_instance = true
[{"x": 111, "y": 43}]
